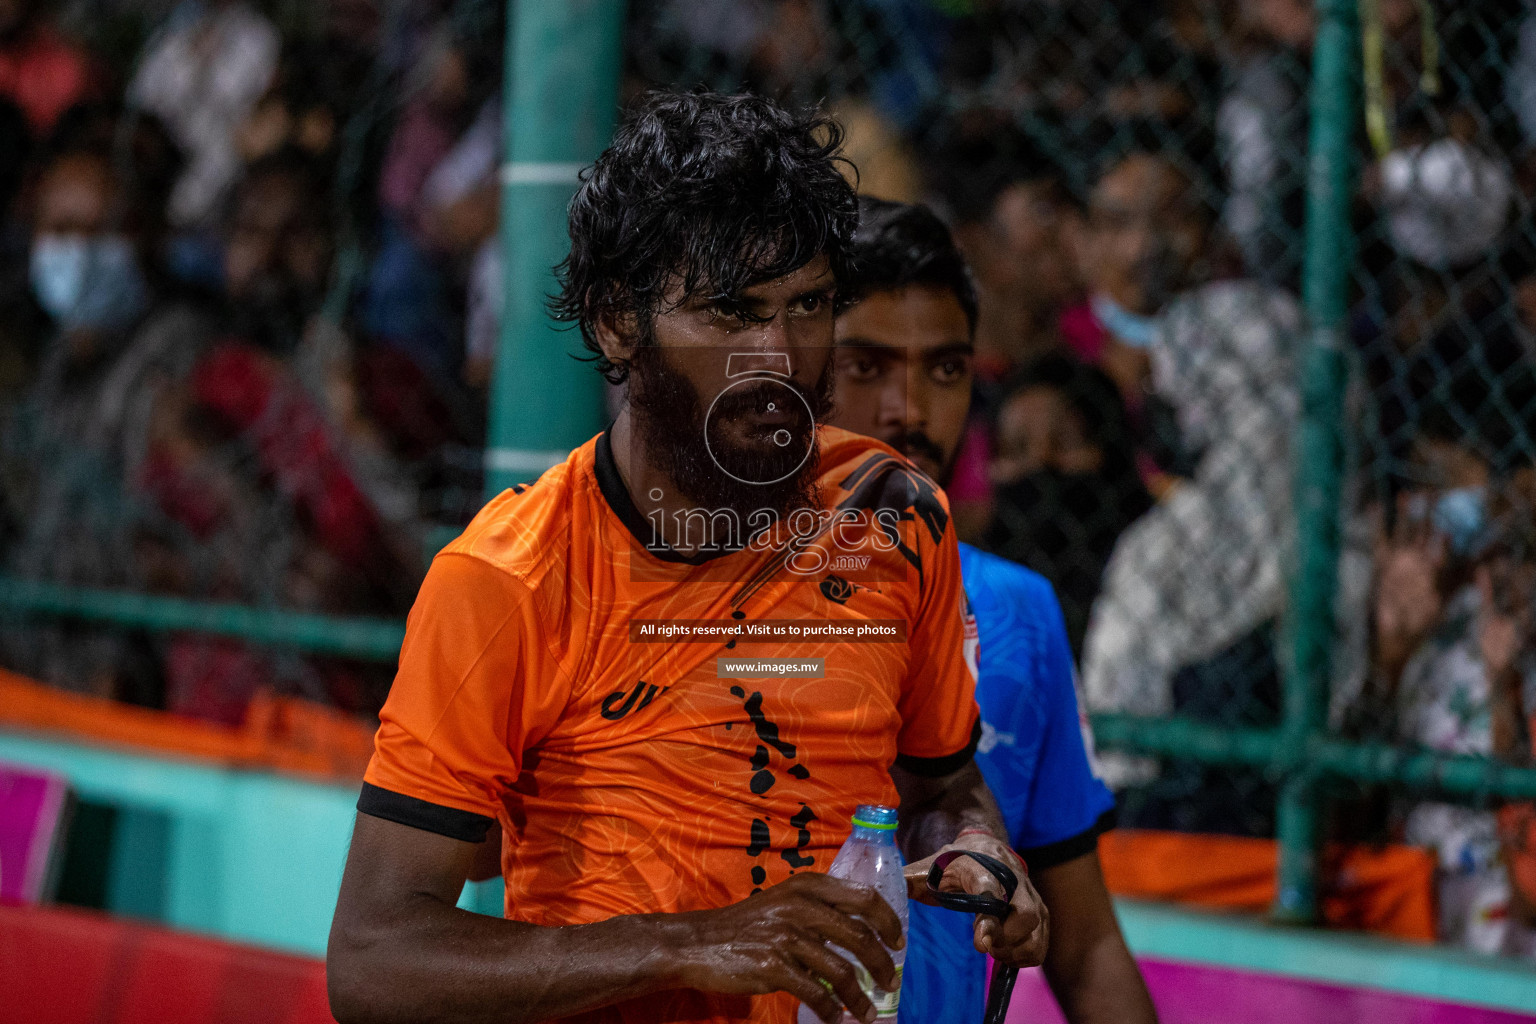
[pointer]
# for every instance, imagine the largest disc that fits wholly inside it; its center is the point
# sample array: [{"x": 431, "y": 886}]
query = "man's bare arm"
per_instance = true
[
  {"x": 1089, "y": 967},
  {"x": 401, "y": 951},
  {"x": 935, "y": 812}
]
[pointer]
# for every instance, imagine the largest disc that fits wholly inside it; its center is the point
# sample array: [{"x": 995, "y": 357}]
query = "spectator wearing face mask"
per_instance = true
[
  {"x": 1202, "y": 574},
  {"x": 84, "y": 269},
  {"x": 1452, "y": 658},
  {"x": 1065, "y": 480},
  {"x": 1146, "y": 239},
  {"x": 63, "y": 481}
]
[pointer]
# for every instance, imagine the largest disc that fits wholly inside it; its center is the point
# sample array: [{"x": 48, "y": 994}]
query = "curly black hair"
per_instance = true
[
  {"x": 715, "y": 192},
  {"x": 900, "y": 244}
]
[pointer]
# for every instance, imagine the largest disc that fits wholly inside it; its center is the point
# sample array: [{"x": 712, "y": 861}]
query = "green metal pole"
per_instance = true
[
  {"x": 1423, "y": 771},
  {"x": 1185, "y": 739},
  {"x": 560, "y": 97},
  {"x": 1319, "y": 450}
]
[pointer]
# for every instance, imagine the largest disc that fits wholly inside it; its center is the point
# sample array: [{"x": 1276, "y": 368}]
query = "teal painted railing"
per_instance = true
[
  {"x": 257, "y": 857},
  {"x": 362, "y": 638}
]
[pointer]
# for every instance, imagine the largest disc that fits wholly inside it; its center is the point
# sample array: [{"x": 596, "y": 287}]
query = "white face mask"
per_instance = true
[
  {"x": 1445, "y": 203},
  {"x": 89, "y": 282}
]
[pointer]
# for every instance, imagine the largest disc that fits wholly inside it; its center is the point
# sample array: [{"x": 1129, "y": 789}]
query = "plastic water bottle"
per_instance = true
[{"x": 870, "y": 857}]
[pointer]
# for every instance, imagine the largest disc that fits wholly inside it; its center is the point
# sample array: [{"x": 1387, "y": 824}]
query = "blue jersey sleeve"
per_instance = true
[
  {"x": 1034, "y": 746},
  {"x": 1033, "y": 754},
  {"x": 1069, "y": 806}
]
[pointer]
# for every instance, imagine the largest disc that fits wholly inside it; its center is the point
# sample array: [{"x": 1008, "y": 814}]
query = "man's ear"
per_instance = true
[{"x": 615, "y": 335}]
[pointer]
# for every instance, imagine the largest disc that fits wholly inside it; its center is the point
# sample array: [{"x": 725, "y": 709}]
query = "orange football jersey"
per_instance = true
[{"x": 629, "y": 770}]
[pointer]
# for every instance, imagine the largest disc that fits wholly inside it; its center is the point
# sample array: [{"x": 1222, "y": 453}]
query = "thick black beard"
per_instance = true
[{"x": 670, "y": 425}]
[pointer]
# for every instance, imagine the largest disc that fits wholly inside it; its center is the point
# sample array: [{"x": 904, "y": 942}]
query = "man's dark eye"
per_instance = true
[
  {"x": 949, "y": 370},
  {"x": 860, "y": 369},
  {"x": 731, "y": 315},
  {"x": 811, "y": 304}
]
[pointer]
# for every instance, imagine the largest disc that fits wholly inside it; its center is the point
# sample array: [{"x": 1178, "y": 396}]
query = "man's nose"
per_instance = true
[
  {"x": 773, "y": 335},
  {"x": 770, "y": 346},
  {"x": 901, "y": 403}
]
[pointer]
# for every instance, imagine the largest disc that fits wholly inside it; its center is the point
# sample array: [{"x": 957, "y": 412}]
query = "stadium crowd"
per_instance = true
[{"x": 250, "y": 284}]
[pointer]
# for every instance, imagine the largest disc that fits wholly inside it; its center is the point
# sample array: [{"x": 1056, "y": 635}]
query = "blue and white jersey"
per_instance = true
[{"x": 1034, "y": 756}]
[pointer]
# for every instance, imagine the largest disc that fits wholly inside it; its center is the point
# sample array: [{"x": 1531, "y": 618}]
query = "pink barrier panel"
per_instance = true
[
  {"x": 65, "y": 966},
  {"x": 31, "y": 806},
  {"x": 1191, "y": 994}
]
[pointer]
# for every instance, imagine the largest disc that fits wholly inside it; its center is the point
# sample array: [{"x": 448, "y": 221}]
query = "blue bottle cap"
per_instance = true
[{"x": 875, "y": 816}]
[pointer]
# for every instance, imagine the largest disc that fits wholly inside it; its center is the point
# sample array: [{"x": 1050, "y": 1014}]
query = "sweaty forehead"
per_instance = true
[
  {"x": 809, "y": 277},
  {"x": 815, "y": 274},
  {"x": 910, "y": 321}
]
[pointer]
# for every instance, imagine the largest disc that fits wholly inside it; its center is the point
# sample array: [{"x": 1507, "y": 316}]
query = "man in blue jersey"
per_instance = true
[{"x": 903, "y": 374}]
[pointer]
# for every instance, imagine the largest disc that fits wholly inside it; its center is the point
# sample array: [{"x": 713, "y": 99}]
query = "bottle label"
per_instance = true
[{"x": 885, "y": 1002}]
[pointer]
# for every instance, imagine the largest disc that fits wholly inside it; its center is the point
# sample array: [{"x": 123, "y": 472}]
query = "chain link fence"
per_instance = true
[
  {"x": 283, "y": 405},
  {"x": 1129, "y": 182},
  {"x": 245, "y": 358}
]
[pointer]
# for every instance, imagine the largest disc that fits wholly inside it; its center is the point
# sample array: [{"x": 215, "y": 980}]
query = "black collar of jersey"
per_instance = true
[{"x": 611, "y": 484}]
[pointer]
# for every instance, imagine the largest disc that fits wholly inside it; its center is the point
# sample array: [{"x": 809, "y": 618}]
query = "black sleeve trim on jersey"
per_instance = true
[
  {"x": 1052, "y": 854},
  {"x": 429, "y": 817},
  {"x": 938, "y": 767}
]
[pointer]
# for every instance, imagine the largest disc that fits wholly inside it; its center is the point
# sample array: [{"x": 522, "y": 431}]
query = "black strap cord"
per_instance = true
[{"x": 1003, "y": 977}]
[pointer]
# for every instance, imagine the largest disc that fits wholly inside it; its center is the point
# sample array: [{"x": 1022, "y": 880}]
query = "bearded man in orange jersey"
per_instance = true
[{"x": 664, "y": 811}]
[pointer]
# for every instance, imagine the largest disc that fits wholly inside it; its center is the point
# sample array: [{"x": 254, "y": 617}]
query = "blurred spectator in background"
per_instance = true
[
  {"x": 1453, "y": 652},
  {"x": 63, "y": 487},
  {"x": 277, "y": 252},
  {"x": 84, "y": 263},
  {"x": 40, "y": 71},
  {"x": 203, "y": 74},
  {"x": 1011, "y": 212},
  {"x": 438, "y": 196},
  {"x": 1065, "y": 480},
  {"x": 1203, "y": 571},
  {"x": 1011, "y": 209},
  {"x": 1145, "y": 241},
  {"x": 1261, "y": 128}
]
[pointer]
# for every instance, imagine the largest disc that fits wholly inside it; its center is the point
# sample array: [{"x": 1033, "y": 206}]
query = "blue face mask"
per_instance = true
[
  {"x": 1131, "y": 329},
  {"x": 1461, "y": 514},
  {"x": 88, "y": 282}
]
